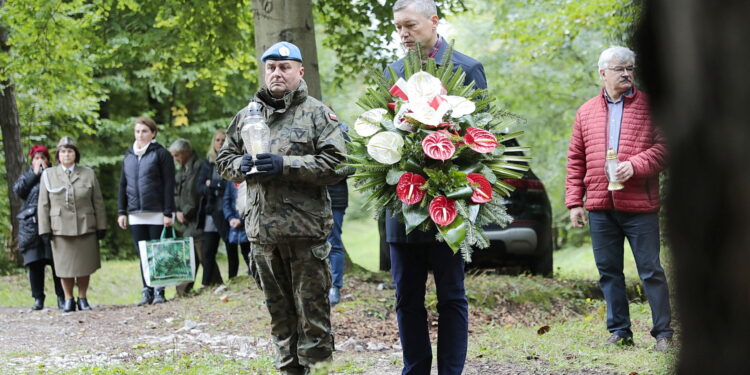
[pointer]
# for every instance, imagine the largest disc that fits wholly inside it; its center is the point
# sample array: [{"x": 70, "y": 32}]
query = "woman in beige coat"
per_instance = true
[{"x": 72, "y": 218}]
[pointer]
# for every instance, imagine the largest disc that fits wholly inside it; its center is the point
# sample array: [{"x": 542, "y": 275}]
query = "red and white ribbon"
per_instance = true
[{"x": 399, "y": 89}]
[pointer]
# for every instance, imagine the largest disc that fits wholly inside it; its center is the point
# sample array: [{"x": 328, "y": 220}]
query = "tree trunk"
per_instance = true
[
  {"x": 693, "y": 59},
  {"x": 11, "y": 129},
  {"x": 291, "y": 21}
]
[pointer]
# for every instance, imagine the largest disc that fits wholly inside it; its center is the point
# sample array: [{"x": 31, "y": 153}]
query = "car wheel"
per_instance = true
[{"x": 542, "y": 264}]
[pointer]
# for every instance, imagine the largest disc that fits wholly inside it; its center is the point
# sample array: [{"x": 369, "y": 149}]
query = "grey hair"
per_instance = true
[
  {"x": 426, "y": 8},
  {"x": 618, "y": 53},
  {"x": 180, "y": 145}
]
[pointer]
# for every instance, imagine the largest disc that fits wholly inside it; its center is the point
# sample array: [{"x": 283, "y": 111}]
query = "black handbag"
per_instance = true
[{"x": 28, "y": 228}]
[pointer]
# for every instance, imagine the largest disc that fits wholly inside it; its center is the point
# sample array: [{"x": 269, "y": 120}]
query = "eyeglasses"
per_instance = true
[{"x": 622, "y": 69}]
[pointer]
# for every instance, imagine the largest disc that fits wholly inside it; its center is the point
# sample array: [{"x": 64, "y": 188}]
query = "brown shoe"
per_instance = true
[
  {"x": 663, "y": 344},
  {"x": 616, "y": 339}
]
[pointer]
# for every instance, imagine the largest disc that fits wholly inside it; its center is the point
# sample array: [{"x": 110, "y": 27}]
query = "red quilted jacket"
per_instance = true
[{"x": 640, "y": 143}]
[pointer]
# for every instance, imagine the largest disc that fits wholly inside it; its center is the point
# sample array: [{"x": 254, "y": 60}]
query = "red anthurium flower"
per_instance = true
[
  {"x": 480, "y": 140},
  {"x": 392, "y": 106},
  {"x": 438, "y": 146},
  {"x": 408, "y": 188},
  {"x": 443, "y": 210},
  {"x": 482, "y": 188}
]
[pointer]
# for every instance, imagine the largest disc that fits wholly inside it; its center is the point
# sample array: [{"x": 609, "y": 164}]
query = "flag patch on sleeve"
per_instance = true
[{"x": 333, "y": 117}]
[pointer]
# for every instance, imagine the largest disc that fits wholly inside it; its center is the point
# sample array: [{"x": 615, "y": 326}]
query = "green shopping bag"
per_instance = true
[{"x": 167, "y": 261}]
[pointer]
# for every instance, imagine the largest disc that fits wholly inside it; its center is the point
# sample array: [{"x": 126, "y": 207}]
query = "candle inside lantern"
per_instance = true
[{"x": 611, "y": 168}]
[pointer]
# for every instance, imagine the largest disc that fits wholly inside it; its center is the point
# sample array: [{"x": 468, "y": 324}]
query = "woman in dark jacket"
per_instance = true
[
  {"x": 211, "y": 188},
  {"x": 36, "y": 253},
  {"x": 146, "y": 196}
]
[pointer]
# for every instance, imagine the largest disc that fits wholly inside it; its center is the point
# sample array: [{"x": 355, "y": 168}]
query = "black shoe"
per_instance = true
[
  {"x": 38, "y": 304},
  {"x": 148, "y": 297},
  {"x": 83, "y": 304},
  {"x": 616, "y": 339},
  {"x": 159, "y": 296},
  {"x": 60, "y": 302},
  {"x": 663, "y": 344},
  {"x": 70, "y": 305}
]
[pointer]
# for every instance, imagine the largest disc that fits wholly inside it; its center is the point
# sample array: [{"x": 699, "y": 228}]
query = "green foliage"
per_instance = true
[
  {"x": 356, "y": 33},
  {"x": 52, "y": 64},
  {"x": 75, "y": 63},
  {"x": 87, "y": 68}
]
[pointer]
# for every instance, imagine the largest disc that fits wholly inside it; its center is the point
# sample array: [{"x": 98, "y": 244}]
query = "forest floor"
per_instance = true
[{"x": 518, "y": 325}]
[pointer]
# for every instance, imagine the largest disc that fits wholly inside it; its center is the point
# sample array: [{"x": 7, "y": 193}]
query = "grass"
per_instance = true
[
  {"x": 575, "y": 344},
  {"x": 361, "y": 240},
  {"x": 118, "y": 282},
  {"x": 193, "y": 364},
  {"x": 204, "y": 363}
]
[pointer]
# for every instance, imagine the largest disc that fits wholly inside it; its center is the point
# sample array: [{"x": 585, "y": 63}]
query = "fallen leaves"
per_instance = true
[{"x": 542, "y": 330}]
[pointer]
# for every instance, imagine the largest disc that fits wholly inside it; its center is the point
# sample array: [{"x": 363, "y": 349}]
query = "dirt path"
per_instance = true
[{"x": 233, "y": 322}]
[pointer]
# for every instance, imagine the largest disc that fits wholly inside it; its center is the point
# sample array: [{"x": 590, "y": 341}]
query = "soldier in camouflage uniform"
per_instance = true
[{"x": 288, "y": 214}]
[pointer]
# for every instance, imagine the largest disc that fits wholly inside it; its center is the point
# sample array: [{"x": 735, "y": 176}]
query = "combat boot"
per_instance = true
[{"x": 148, "y": 297}]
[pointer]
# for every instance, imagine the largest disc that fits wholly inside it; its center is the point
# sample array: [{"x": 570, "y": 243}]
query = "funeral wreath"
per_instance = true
[{"x": 430, "y": 150}]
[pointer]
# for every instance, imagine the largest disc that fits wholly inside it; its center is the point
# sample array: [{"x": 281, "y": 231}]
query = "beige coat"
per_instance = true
[{"x": 70, "y": 207}]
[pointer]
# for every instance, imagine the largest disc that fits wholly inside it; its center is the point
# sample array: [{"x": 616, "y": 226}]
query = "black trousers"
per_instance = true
[
  {"x": 36, "y": 278},
  {"x": 233, "y": 259},
  {"x": 144, "y": 233},
  {"x": 211, "y": 273}
]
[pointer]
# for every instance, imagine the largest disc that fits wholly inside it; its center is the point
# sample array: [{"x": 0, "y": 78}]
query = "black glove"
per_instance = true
[
  {"x": 246, "y": 164},
  {"x": 46, "y": 238},
  {"x": 271, "y": 164},
  {"x": 100, "y": 233}
]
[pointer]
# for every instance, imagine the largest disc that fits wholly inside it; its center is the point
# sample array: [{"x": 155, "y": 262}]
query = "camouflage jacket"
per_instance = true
[
  {"x": 295, "y": 204},
  {"x": 186, "y": 197}
]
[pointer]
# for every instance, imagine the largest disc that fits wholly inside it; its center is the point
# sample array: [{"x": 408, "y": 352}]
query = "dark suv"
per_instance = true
[{"x": 527, "y": 241}]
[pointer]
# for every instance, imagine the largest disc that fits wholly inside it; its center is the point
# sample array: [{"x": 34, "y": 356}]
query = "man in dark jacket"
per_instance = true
[
  {"x": 413, "y": 254},
  {"x": 289, "y": 212},
  {"x": 187, "y": 201}
]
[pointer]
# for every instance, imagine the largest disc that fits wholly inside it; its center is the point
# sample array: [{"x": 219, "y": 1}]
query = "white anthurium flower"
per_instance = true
[
  {"x": 385, "y": 147},
  {"x": 427, "y": 115},
  {"x": 400, "y": 121},
  {"x": 368, "y": 122},
  {"x": 423, "y": 87},
  {"x": 460, "y": 105}
]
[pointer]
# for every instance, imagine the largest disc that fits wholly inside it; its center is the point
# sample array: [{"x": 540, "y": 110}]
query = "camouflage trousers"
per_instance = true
[{"x": 295, "y": 278}]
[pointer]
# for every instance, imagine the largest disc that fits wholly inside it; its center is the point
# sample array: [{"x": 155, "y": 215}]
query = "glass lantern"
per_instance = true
[{"x": 255, "y": 133}]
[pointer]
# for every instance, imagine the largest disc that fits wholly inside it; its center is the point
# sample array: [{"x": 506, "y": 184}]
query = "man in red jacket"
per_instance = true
[{"x": 618, "y": 119}]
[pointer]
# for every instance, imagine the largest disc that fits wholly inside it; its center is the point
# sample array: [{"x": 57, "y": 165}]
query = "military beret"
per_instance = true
[{"x": 282, "y": 51}]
